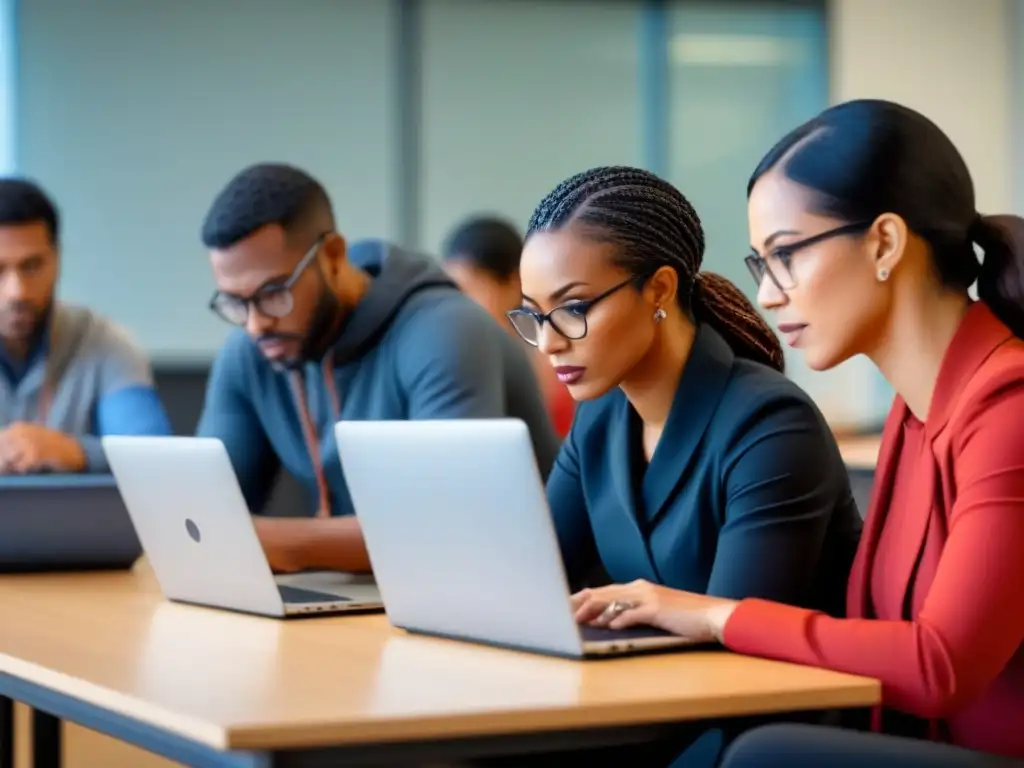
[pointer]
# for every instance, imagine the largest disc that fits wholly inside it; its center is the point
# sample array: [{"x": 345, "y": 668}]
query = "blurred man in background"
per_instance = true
[
  {"x": 482, "y": 256},
  {"x": 331, "y": 331},
  {"x": 67, "y": 375}
]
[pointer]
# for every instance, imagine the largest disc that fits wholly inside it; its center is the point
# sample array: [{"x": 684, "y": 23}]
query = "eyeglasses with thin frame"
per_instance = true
[
  {"x": 270, "y": 300},
  {"x": 776, "y": 265},
  {"x": 568, "y": 320}
]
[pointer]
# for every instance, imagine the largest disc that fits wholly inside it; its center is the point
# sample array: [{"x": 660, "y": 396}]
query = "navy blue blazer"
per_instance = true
[{"x": 746, "y": 495}]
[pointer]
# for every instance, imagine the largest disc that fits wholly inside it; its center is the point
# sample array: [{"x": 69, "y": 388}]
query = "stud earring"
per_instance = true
[
  {"x": 659, "y": 315},
  {"x": 883, "y": 275}
]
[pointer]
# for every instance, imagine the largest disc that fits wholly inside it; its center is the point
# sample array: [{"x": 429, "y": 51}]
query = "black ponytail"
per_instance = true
[{"x": 1001, "y": 276}]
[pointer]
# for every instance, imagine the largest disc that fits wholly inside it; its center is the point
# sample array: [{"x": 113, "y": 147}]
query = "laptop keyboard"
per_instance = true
[
  {"x": 302, "y": 595},
  {"x": 603, "y": 634}
]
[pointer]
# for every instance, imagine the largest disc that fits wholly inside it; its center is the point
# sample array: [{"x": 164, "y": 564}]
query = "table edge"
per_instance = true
[
  {"x": 855, "y": 693},
  {"x": 851, "y": 692},
  {"x": 106, "y": 699}
]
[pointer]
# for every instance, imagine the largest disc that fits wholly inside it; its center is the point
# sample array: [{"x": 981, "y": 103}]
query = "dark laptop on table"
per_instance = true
[{"x": 56, "y": 522}]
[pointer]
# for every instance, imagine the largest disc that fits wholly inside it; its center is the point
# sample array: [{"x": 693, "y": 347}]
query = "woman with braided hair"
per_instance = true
[{"x": 693, "y": 462}]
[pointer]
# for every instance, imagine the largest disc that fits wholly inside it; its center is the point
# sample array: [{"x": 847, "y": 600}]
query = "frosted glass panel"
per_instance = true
[
  {"x": 519, "y": 95},
  {"x": 133, "y": 114},
  {"x": 742, "y": 75}
]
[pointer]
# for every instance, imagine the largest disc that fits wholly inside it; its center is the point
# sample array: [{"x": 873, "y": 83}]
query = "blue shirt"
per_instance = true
[{"x": 99, "y": 383}]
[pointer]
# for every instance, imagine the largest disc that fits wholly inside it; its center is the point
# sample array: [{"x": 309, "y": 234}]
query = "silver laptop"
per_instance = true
[
  {"x": 461, "y": 539},
  {"x": 188, "y": 509},
  {"x": 58, "y": 522}
]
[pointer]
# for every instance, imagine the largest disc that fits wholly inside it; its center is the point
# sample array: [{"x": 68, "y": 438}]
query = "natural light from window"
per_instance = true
[{"x": 7, "y": 65}]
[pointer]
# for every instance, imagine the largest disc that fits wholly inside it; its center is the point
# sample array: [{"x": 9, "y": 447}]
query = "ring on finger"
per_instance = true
[{"x": 617, "y": 607}]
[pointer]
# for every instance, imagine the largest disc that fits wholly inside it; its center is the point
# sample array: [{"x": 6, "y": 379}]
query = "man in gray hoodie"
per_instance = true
[
  {"x": 68, "y": 375},
  {"x": 329, "y": 331}
]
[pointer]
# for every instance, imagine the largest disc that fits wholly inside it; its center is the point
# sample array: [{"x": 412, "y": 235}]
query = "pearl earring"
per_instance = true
[
  {"x": 883, "y": 275},
  {"x": 659, "y": 315}
]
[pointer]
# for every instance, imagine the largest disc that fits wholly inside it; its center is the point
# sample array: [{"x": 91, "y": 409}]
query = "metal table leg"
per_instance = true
[
  {"x": 46, "y": 738},
  {"x": 6, "y": 733}
]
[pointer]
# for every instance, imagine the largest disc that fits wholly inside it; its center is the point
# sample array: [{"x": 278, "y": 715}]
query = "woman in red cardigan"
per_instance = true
[{"x": 863, "y": 224}]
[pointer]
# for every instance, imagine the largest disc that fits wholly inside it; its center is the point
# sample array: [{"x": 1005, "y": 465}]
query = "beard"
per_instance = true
[
  {"x": 328, "y": 316},
  {"x": 323, "y": 329},
  {"x": 22, "y": 321}
]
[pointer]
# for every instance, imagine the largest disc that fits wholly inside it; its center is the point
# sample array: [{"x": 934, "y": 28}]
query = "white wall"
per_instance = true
[
  {"x": 953, "y": 61},
  {"x": 950, "y": 59},
  {"x": 133, "y": 113}
]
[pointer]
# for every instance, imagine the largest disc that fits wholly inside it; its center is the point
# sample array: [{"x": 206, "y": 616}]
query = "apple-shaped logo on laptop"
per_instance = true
[{"x": 193, "y": 530}]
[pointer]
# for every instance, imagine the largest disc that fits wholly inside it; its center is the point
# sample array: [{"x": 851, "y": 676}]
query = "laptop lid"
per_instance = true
[
  {"x": 57, "y": 522},
  {"x": 193, "y": 522},
  {"x": 456, "y": 522}
]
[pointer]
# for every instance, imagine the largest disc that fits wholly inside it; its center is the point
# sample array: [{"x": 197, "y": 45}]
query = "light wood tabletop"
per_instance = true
[
  {"x": 860, "y": 452},
  {"x": 233, "y": 681}
]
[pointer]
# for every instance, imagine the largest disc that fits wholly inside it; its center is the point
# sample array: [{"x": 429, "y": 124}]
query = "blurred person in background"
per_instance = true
[
  {"x": 329, "y": 330},
  {"x": 68, "y": 376},
  {"x": 482, "y": 255}
]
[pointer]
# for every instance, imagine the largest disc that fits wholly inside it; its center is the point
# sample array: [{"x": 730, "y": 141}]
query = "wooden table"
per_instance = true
[{"x": 213, "y": 688}]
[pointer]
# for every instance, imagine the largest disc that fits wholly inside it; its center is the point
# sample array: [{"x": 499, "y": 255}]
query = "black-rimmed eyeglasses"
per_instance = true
[
  {"x": 270, "y": 300},
  {"x": 776, "y": 264},
  {"x": 568, "y": 320}
]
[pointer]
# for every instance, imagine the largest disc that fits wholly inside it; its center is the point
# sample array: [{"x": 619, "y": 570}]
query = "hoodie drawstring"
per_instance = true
[{"x": 309, "y": 433}]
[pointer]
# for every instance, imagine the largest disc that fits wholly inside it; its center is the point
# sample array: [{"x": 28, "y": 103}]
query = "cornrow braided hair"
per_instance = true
[{"x": 654, "y": 225}]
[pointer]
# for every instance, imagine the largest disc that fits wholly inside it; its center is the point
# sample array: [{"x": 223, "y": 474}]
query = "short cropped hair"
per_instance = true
[
  {"x": 488, "y": 243},
  {"x": 24, "y": 202},
  {"x": 263, "y": 194}
]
